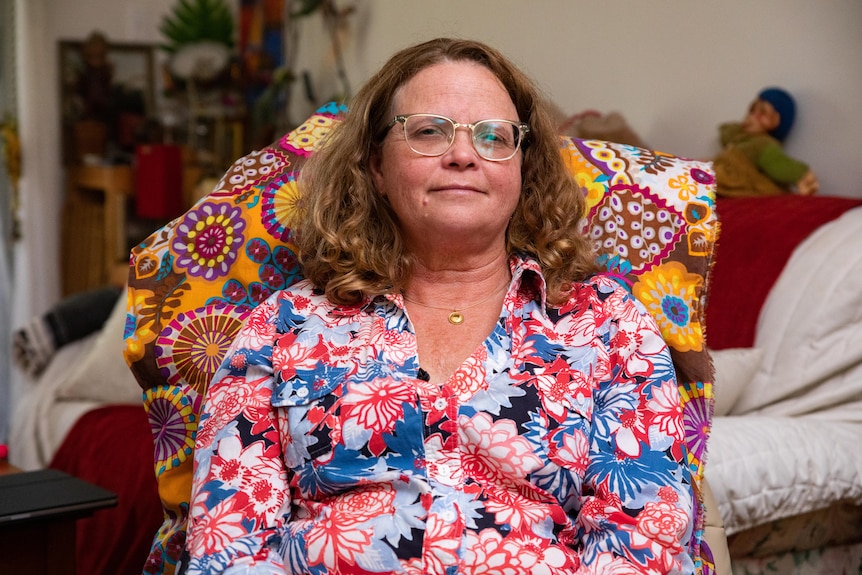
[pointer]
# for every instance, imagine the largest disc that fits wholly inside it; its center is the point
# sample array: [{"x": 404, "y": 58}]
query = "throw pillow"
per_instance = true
[
  {"x": 102, "y": 375},
  {"x": 191, "y": 284}
]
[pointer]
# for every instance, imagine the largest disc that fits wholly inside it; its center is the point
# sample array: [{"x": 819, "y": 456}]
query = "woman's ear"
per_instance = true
[{"x": 376, "y": 170}]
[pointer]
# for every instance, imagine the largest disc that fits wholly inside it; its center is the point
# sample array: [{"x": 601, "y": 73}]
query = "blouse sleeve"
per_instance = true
[
  {"x": 637, "y": 509},
  {"x": 239, "y": 487}
]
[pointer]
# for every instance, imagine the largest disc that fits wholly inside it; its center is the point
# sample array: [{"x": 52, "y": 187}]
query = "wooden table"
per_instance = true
[{"x": 7, "y": 468}]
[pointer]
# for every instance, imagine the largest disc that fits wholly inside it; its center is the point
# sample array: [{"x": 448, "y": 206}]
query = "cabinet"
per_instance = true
[
  {"x": 101, "y": 222},
  {"x": 94, "y": 250}
]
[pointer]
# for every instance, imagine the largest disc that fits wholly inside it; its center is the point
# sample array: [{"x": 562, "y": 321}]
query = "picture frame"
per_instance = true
[{"x": 107, "y": 93}]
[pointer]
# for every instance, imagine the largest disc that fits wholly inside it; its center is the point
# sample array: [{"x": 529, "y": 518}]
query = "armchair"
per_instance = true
[{"x": 651, "y": 214}]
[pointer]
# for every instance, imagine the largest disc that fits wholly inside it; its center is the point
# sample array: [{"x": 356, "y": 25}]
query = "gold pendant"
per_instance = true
[{"x": 456, "y": 317}]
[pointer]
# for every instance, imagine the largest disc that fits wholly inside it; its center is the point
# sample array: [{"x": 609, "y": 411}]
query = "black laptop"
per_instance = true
[{"x": 48, "y": 492}]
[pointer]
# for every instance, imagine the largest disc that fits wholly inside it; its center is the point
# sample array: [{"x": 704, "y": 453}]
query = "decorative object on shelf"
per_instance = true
[
  {"x": 268, "y": 45},
  {"x": 199, "y": 38},
  {"x": 194, "y": 21},
  {"x": 106, "y": 94},
  {"x": 202, "y": 61},
  {"x": 159, "y": 181},
  {"x": 335, "y": 21}
]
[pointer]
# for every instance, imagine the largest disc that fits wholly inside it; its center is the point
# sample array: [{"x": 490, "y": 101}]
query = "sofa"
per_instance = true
[
  {"x": 785, "y": 332},
  {"x": 63, "y": 424}
]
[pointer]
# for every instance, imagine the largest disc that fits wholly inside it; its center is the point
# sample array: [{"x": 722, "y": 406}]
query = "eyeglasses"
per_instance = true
[{"x": 432, "y": 135}]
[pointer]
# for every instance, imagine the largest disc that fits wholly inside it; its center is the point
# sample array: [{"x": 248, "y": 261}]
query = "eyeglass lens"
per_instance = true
[{"x": 432, "y": 135}]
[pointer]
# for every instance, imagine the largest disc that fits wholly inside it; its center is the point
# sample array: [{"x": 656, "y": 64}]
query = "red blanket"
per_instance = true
[
  {"x": 757, "y": 237},
  {"x": 112, "y": 447}
]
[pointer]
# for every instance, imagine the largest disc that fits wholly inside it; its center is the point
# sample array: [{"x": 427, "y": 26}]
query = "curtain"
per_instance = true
[
  {"x": 8, "y": 113},
  {"x": 32, "y": 263}
]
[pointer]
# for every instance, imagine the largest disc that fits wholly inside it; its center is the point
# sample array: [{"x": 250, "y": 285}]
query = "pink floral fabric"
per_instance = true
[{"x": 558, "y": 447}]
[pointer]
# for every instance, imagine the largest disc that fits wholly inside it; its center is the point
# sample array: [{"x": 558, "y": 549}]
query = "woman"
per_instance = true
[{"x": 451, "y": 389}]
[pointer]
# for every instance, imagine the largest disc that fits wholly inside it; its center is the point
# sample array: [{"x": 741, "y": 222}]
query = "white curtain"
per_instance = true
[
  {"x": 8, "y": 110},
  {"x": 33, "y": 269}
]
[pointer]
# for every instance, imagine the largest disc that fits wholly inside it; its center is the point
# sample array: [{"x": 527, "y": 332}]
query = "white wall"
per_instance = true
[{"x": 674, "y": 68}]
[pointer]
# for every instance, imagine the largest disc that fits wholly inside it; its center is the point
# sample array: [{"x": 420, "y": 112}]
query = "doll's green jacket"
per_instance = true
[{"x": 765, "y": 152}]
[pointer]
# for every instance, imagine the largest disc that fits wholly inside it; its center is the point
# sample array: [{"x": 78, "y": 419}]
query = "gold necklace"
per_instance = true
[{"x": 455, "y": 316}]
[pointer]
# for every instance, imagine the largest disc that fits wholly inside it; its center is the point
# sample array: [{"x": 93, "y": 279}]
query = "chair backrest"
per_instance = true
[{"x": 193, "y": 282}]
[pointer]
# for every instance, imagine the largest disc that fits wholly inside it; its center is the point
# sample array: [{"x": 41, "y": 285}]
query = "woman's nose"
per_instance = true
[{"x": 461, "y": 151}]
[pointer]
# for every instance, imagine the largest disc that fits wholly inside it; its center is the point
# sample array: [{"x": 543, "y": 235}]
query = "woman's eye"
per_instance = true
[
  {"x": 494, "y": 135},
  {"x": 428, "y": 130}
]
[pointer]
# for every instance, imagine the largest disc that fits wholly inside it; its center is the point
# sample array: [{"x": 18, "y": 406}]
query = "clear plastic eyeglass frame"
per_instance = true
[{"x": 437, "y": 144}]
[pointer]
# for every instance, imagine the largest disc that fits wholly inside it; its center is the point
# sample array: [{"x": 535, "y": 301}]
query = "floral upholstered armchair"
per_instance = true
[{"x": 193, "y": 282}]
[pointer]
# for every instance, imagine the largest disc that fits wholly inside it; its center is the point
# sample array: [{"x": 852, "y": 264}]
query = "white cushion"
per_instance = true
[
  {"x": 762, "y": 469},
  {"x": 810, "y": 330},
  {"x": 102, "y": 374},
  {"x": 734, "y": 370}
]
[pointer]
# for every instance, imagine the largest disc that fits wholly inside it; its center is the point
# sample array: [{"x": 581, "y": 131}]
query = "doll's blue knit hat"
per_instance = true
[{"x": 786, "y": 108}]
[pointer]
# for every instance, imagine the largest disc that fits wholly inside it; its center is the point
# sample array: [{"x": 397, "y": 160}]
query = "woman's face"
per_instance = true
[{"x": 458, "y": 196}]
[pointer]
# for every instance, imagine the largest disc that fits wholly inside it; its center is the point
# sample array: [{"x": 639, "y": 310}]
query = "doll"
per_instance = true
[{"x": 752, "y": 161}]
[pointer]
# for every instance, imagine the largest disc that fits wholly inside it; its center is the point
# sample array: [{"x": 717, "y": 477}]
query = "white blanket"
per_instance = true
[
  {"x": 41, "y": 420},
  {"x": 810, "y": 330},
  {"x": 793, "y": 440}
]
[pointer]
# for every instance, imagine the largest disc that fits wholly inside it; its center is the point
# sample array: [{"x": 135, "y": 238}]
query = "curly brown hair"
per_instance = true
[{"x": 348, "y": 240}]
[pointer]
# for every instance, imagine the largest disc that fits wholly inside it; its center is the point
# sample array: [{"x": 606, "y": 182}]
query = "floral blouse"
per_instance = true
[{"x": 556, "y": 448}]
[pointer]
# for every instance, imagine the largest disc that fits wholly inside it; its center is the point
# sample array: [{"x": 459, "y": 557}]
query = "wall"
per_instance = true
[{"x": 675, "y": 69}]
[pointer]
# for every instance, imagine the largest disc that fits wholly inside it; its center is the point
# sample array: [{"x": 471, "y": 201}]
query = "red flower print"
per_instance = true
[
  {"x": 445, "y": 404},
  {"x": 665, "y": 405},
  {"x": 669, "y": 494},
  {"x": 631, "y": 433},
  {"x": 662, "y": 521},
  {"x": 494, "y": 452},
  {"x": 329, "y": 542},
  {"x": 443, "y": 539},
  {"x": 300, "y": 303},
  {"x": 290, "y": 356},
  {"x": 218, "y": 528},
  {"x": 555, "y": 387},
  {"x": 257, "y": 331},
  {"x": 363, "y": 504},
  {"x": 376, "y": 405},
  {"x": 487, "y": 554},
  {"x": 573, "y": 454},
  {"x": 512, "y": 508},
  {"x": 470, "y": 377}
]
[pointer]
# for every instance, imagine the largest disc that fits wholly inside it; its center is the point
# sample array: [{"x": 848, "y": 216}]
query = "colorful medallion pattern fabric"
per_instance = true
[{"x": 193, "y": 282}]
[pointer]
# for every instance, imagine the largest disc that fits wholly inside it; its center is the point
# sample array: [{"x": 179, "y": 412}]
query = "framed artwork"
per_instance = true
[{"x": 107, "y": 92}]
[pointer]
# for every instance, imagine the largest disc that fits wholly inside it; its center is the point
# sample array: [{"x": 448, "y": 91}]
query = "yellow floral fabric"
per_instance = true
[{"x": 193, "y": 282}]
